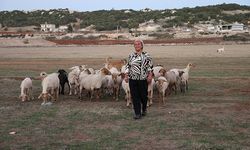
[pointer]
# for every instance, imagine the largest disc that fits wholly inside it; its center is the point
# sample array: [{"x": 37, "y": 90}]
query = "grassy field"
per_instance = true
[{"x": 213, "y": 114}]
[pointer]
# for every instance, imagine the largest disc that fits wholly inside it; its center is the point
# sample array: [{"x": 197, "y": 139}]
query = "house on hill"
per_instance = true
[
  {"x": 63, "y": 28},
  {"x": 235, "y": 27},
  {"x": 48, "y": 27}
]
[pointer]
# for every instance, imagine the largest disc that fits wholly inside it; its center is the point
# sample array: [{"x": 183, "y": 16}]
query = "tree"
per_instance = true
[{"x": 70, "y": 28}]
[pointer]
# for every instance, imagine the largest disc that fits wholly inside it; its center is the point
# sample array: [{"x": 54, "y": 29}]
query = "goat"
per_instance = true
[
  {"x": 26, "y": 89},
  {"x": 221, "y": 50},
  {"x": 114, "y": 63},
  {"x": 162, "y": 85},
  {"x": 50, "y": 86},
  {"x": 63, "y": 77},
  {"x": 93, "y": 82}
]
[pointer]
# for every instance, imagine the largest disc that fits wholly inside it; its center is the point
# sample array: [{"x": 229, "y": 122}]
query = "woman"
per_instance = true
[{"x": 139, "y": 73}]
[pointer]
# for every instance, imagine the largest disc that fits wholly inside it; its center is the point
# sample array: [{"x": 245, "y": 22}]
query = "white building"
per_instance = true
[
  {"x": 237, "y": 26},
  {"x": 63, "y": 28},
  {"x": 231, "y": 27},
  {"x": 146, "y": 10},
  {"x": 48, "y": 27}
]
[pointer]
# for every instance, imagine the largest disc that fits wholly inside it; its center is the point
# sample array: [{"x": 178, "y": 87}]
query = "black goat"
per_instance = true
[{"x": 63, "y": 77}]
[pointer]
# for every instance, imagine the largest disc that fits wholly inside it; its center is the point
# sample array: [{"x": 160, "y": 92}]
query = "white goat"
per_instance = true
[
  {"x": 150, "y": 92},
  {"x": 156, "y": 70},
  {"x": 50, "y": 86},
  {"x": 93, "y": 82},
  {"x": 116, "y": 82},
  {"x": 112, "y": 83},
  {"x": 73, "y": 78},
  {"x": 125, "y": 86},
  {"x": 162, "y": 85},
  {"x": 221, "y": 50},
  {"x": 171, "y": 77},
  {"x": 184, "y": 77},
  {"x": 26, "y": 89}
]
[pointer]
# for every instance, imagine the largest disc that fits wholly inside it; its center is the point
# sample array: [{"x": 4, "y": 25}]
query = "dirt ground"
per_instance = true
[
  {"x": 122, "y": 51},
  {"x": 213, "y": 114}
]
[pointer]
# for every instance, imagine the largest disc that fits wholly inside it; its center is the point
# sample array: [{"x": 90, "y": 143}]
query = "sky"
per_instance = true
[{"x": 92, "y": 5}]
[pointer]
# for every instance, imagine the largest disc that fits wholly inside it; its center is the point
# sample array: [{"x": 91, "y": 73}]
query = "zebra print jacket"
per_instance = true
[{"x": 139, "y": 65}]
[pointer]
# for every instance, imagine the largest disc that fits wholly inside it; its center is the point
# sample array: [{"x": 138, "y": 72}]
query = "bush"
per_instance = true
[
  {"x": 162, "y": 36},
  {"x": 26, "y": 41},
  {"x": 237, "y": 37},
  {"x": 50, "y": 38}
]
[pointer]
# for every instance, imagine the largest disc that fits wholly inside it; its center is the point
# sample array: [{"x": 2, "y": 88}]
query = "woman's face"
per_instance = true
[{"x": 138, "y": 46}]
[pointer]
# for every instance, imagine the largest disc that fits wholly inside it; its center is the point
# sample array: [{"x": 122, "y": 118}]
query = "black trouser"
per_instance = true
[{"x": 139, "y": 94}]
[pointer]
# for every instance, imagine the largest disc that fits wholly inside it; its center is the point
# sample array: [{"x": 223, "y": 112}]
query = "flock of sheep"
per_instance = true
[{"x": 107, "y": 80}]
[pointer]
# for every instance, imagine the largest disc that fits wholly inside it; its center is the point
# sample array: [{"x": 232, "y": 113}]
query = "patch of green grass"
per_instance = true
[
  {"x": 210, "y": 115},
  {"x": 18, "y": 72},
  {"x": 32, "y": 119}
]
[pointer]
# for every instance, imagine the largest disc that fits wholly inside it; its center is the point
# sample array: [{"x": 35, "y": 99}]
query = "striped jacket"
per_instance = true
[{"x": 139, "y": 65}]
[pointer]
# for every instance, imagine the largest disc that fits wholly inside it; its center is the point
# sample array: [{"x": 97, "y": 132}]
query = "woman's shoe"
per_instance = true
[
  {"x": 144, "y": 113},
  {"x": 137, "y": 117}
]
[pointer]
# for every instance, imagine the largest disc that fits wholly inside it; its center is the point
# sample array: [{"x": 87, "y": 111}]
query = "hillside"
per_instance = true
[{"x": 106, "y": 20}]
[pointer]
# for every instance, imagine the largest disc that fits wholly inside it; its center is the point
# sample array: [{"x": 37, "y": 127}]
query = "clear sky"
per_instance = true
[{"x": 91, "y": 5}]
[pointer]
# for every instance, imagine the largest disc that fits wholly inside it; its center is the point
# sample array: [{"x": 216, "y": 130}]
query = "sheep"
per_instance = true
[
  {"x": 93, "y": 82},
  {"x": 26, "y": 90},
  {"x": 162, "y": 85},
  {"x": 63, "y": 77},
  {"x": 184, "y": 76},
  {"x": 50, "y": 86}
]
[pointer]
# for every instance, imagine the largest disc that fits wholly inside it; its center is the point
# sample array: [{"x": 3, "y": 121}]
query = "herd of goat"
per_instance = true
[{"x": 107, "y": 80}]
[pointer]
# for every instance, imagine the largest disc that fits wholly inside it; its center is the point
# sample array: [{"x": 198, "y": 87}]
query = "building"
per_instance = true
[
  {"x": 63, "y": 28},
  {"x": 48, "y": 27},
  {"x": 231, "y": 27}
]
